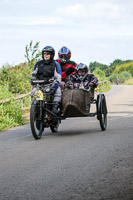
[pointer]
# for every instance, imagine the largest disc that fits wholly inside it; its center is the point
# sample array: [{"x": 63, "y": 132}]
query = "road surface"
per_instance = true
[{"x": 80, "y": 162}]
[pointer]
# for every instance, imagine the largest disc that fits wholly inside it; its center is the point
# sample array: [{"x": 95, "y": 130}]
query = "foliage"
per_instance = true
[
  {"x": 4, "y": 91},
  {"x": 108, "y": 69},
  {"x": 113, "y": 77},
  {"x": 127, "y": 75},
  {"x": 129, "y": 82},
  {"x": 32, "y": 52},
  {"x": 122, "y": 77},
  {"x": 124, "y": 67},
  {"x": 10, "y": 115},
  {"x": 93, "y": 66},
  {"x": 99, "y": 74},
  {"x": 14, "y": 81},
  {"x": 4, "y": 73},
  {"x": 103, "y": 83},
  {"x": 17, "y": 78},
  {"x": 105, "y": 87}
]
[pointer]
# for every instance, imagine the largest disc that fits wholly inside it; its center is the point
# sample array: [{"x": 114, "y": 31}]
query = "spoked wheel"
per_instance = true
[
  {"x": 102, "y": 111},
  {"x": 36, "y": 124}
]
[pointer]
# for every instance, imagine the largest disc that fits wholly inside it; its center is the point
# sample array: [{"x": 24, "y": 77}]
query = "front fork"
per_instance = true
[{"x": 40, "y": 113}]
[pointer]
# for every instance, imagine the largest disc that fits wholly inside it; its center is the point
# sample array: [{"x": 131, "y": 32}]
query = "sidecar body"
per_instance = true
[{"x": 77, "y": 102}]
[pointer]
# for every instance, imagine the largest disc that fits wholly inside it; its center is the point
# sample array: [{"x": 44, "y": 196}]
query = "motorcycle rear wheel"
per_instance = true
[
  {"x": 54, "y": 128},
  {"x": 36, "y": 124}
]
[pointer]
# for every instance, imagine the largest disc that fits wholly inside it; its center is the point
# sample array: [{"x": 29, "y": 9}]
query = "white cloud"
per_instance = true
[
  {"x": 106, "y": 10},
  {"x": 72, "y": 10},
  {"x": 101, "y": 28},
  {"x": 100, "y": 19},
  {"x": 99, "y": 10}
]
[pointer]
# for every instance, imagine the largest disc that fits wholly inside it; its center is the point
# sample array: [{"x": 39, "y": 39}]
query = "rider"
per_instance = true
[
  {"x": 46, "y": 69},
  {"x": 81, "y": 78},
  {"x": 67, "y": 66}
]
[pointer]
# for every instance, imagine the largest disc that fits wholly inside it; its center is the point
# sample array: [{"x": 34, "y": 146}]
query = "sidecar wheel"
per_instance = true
[
  {"x": 102, "y": 111},
  {"x": 36, "y": 125}
]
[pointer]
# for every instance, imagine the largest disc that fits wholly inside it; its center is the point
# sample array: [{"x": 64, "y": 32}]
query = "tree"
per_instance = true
[
  {"x": 99, "y": 74},
  {"x": 93, "y": 66},
  {"x": 32, "y": 52},
  {"x": 128, "y": 66}
]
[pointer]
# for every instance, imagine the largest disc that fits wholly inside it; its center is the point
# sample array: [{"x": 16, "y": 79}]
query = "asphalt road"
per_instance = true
[{"x": 80, "y": 162}]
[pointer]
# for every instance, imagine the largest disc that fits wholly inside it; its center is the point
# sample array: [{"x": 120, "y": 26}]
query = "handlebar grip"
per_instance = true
[{"x": 38, "y": 81}]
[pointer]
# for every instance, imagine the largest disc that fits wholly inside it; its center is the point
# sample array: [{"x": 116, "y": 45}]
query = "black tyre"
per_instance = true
[
  {"x": 36, "y": 124},
  {"x": 102, "y": 111},
  {"x": 54, "y": 126}
]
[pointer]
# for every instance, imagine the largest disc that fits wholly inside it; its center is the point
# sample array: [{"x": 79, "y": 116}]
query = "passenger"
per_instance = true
[
  {"x": 46, "y": 69},
  {"x": 81, "y": 79},
  {"x": 67, "y": 66}
]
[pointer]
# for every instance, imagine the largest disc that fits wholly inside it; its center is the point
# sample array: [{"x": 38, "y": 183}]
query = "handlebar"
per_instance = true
[
  {"x": 44, "y": 81},
  {"x": 38, "y": 81}
]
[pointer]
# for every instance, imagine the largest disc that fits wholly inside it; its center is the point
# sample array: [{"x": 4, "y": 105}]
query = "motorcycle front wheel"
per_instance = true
[{"x": 35, "y": 122}]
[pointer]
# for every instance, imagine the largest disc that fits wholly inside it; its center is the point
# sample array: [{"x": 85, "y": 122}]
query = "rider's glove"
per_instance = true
[
  {"x": 31, "y": 81},
  {"x": 52, "y": 91},
  {"x": 95, "y": 82},
  {"x": 91, "y": 84},
  {"x": 69, "y": 84},
  {"x": 54, "y": 87}
]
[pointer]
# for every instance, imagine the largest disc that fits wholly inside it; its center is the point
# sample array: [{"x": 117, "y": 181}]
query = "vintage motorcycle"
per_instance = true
[
  {"x": 41, "y": 114},
  {"x": 75, "y": 103}
]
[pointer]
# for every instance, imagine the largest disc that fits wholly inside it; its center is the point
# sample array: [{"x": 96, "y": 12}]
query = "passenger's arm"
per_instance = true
[{"x": 94, "y": 81}]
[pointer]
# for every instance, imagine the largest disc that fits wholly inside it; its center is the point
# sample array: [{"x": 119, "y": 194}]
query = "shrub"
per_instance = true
[
  {"x": 121, "y": 76},
  {"x": 99, "y": 74},
  {"x": 10, "y": 115},
  {"x": 4, "y": 92},
  {"x": 10, "y": 112},
  {"x": 112, "y": 78},
  {"x": 128, "y": 67}
]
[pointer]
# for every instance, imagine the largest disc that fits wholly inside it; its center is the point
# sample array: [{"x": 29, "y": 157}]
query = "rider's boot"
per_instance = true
[{"x": 55, "y": 107}]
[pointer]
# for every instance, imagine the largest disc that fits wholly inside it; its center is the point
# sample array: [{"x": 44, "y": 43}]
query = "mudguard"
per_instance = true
[{"x": 38, "y": 96}]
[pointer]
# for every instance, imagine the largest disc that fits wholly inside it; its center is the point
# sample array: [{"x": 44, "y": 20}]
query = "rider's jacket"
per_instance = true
[
  {"x": 75, "y": 81},
  {"x": 45, "y": 71},
  {"x": 67, "y": 69}
]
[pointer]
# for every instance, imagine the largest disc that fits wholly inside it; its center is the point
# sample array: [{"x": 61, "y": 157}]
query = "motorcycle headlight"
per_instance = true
[{"x": 47, "y": 89}]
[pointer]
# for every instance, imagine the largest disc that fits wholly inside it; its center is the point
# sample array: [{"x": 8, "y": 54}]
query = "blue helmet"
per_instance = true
[{"x": 64, "y": 54}]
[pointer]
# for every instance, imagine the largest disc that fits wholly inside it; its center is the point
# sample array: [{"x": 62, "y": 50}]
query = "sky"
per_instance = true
[{"x": 94, "y": 30}]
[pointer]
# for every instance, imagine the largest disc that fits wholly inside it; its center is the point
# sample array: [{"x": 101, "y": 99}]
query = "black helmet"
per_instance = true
[
  {"x": 64, "y": 54},
  {"x": 82, "y": 67},
  {"x": 48, "y": 49}
]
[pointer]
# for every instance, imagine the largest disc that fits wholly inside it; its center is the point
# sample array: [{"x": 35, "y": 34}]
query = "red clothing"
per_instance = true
[{"x": 67, "y": 69}]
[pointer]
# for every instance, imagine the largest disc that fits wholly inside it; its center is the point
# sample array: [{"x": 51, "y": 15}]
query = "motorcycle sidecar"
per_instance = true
[{"x": 77, "y": 102}]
